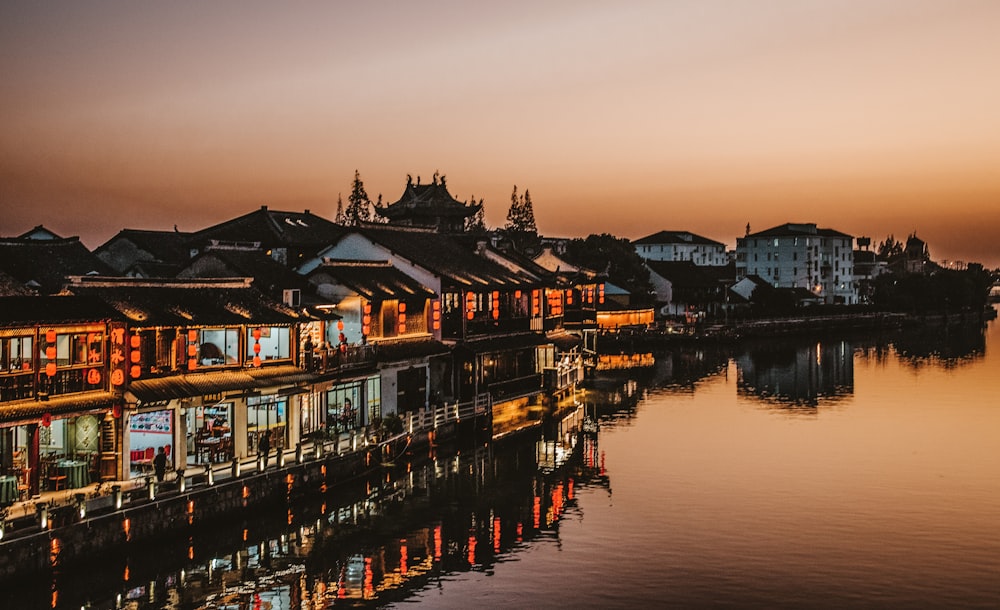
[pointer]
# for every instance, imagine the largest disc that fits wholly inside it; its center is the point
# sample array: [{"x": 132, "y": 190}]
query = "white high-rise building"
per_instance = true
[{"x": 798, "y": 255}]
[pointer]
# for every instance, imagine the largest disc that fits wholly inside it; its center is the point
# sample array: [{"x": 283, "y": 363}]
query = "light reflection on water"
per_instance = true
[{"x": 822, "y": 473}]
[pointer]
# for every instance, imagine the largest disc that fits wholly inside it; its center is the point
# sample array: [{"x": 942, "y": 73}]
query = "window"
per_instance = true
[
  {"x": 219, "y": 346},
  {"x": 274, "y": 343},
  {"x": 16, "y": 355},
  {"x": 341, "y": 407}
]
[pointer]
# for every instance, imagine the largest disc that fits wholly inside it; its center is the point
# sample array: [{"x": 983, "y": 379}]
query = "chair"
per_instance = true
[{"x": 24, "y": 483}]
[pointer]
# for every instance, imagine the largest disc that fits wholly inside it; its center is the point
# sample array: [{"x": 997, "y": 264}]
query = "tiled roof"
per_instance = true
[
  {"x": 683, "y": 273},
  {"x": 19, "y": 410},
  {"x": 270, "y": 276},
  {"x": 275, "y": 228},
  {"x": 30, "y": 310},
  {"x": 185, "y": 302},
  {"x": 676, "y": 237},
  {"x": 405, "y": 349},
  {"x": 198, "y": 384},
  {"x": 374, "y": 280},
  {"x": 48, "y": 262},
  {"x": 444, "y": 257},
  {"x": 171, "y": 247},
  {"x": 796, "y": 229},
  {"x": 496, "y": 344}
]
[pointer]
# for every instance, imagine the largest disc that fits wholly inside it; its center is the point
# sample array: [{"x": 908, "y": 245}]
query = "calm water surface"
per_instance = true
[{"x": 853, "y": 472}]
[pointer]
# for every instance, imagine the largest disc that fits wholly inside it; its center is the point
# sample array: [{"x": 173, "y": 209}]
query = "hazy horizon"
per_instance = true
[{"x": 871, "y": 118}]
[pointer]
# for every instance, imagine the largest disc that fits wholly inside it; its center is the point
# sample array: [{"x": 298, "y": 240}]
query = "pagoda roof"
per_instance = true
[{"x": 428, "y": 200}]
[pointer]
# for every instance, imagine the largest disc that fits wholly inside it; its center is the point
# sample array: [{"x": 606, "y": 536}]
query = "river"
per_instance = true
[{"x": 835, "y": 472}]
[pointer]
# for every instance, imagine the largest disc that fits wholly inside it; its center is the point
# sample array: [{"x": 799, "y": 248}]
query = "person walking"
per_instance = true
[
  {"x": 160, "y": 464},
  {"x": 264, "y": 448}
]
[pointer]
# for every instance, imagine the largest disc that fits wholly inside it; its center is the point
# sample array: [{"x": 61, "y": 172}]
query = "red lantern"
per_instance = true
[
  {"x": 50, "y": 369},
  {"x": 256, "y": 348},
  {"x": 135, "y": 356},
  {"x": 402, "y": 307},
  {"x": 256, "y": 334},
  {"x": 50, "y": 335},
  {"x": 192, "y": 336},
  {"x": 94, "y": 376},
  {"x": 192, "y": 350},
  {"x": 340, "y": 325},
  {"x": 116, "y": 411},
  {"x": 135, "y": 341},
  {"x": 192, "y": 364},
  {"x": 46, "y": 419},
  {"x": 50, "y": 352},
  {"x": 256, "y": 361},
  {"x": 135, "y": 371}
]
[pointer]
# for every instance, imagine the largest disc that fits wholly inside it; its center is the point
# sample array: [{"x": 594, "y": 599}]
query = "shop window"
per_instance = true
[
  {"x": 342, "y": 407},
  {"x": 275, "y": 343}
]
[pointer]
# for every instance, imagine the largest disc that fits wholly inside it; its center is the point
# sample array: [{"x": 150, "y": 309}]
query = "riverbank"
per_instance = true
[{"x": 633, "y": 341}]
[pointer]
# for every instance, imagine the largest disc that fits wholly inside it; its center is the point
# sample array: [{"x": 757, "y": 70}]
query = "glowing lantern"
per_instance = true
[
  {"x": 600, "y": 293},
  {"x": 46, "y": 419},
  {"x": 192, "y": 336},
  {"x": 256, "y": 348},
  {"x": 192, "y": 364},
  {"x": 340, "y": 325},
  {"x": 402, "y": 307},
  {"x": 50, "y": 352},
  {"x": 50, "y": 335},
  {"x": 256, "y": 334},
  {"x": 94, "y": 376},
  {"x": 116, "y": 411},
  {"x": 50, "y": 369},
  {"x": 192, "y": 349},
  {"x": 134, "y": 341},
  {"x": 135, "y": 356},
  {"x": 256, "y": 360},
  {"x": 135, "y": 371}
]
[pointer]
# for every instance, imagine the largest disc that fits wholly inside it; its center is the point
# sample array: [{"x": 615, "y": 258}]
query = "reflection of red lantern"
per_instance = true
[
  {"x": 94, "y": 376},
  {"x": 46, "y": 419}
]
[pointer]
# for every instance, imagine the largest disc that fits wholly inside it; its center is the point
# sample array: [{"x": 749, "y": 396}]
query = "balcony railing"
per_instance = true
[{"x": 341, "y": 358}]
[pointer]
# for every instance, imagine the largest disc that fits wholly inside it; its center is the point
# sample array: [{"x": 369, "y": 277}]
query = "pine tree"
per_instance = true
[
  {"x": 359, "y": 205},
  {"x": 340, "y": 219},
  {"x": 520, "y": 227},
  {"x": 528, "y": 214}
]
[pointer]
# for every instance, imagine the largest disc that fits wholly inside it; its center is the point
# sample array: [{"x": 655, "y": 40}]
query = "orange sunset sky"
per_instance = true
[{"x": 870, "y": 117}]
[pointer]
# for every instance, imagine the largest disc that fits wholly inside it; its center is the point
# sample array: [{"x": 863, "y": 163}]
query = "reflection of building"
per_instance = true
[{"x": 797, "y": 375}]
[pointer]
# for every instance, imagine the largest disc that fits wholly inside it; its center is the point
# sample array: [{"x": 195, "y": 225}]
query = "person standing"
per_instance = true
[
  {"x": 264, "y": 447},
  {"x": 160, "y": 464}
]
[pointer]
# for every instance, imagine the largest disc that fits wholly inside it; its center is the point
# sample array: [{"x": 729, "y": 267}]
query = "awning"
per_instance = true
[
  {"x": 27, "y": 411},
  {"x": 506, "y": 342},
  {"x": 199, "y": 384}
]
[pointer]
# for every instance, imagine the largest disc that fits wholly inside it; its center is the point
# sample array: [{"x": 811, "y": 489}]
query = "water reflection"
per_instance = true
[{"x": 797, "y": 376}]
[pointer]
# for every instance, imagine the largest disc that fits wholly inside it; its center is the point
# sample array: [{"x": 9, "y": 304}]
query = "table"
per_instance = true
[
  {"x": 8, "y": 489},
  {"x": 77, "y": 473},
  {"x": 207, "y": 446}
]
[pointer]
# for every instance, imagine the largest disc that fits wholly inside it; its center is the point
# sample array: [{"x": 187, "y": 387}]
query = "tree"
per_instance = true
[
  {"x": 890, "y": 248},
  {"x": 340, "y": 219},
  {"x": 359, "y": 205},
  {"x": 614, "y": 255},
  {"x": 477, "y": 222},
  {"x": 521, "y": 214}
]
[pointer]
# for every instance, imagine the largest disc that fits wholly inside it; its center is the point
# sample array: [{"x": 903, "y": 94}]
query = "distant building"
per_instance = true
[
  {"x": 429, "y": 206},
  {"x": 43, "y": 265},
  {"x": 138, "y": 253},
  {"x": 682, "y": 246},
  {"x": 800, "y": 255}
]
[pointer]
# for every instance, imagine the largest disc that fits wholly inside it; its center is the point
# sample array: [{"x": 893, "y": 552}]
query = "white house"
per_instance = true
[{"x": 682, "y": 246}]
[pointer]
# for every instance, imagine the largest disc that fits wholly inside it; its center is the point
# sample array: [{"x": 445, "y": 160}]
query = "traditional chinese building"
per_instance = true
[{"x": 430, "y": 206}]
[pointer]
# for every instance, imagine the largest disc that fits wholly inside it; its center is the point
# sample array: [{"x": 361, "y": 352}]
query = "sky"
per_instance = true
[{"x": 870, "y": 117}]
